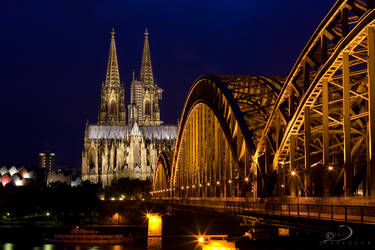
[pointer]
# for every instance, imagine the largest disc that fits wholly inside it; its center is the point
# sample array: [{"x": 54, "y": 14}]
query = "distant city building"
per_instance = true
[
  {"x": 17, "y": 176},
  {"x": 58, "y": 176},
  {"x": 113, "y": 148},
  {"x": 47, "y": 161},
  {"x": 65, "y": 174}
]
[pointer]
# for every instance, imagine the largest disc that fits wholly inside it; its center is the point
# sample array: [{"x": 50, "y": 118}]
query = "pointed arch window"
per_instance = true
[
  {"x": 113, "y": 108},
  {"x": 147, "y": 108}
]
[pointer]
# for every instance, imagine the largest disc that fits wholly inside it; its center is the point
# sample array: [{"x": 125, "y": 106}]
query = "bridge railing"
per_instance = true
[{"x": 345, "y": 213}]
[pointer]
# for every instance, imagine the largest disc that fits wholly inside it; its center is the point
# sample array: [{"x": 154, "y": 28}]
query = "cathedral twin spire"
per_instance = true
[
  {"x": 146, "y": 68},
  {"x": 113, "y": 75},
  {"x": 112, "y": 107},
  {"x": 145, "y": 109}
]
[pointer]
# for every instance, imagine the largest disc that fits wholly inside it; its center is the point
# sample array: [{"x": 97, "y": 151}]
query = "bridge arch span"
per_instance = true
[
  {"x": 320, "y": 136},
  {"x": 221, "y": 123},
  {"x": 312, "y": 136},
  {"x": 162, "y": 174}
]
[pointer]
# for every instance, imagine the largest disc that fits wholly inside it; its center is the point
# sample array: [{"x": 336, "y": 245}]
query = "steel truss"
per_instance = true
[
  {"x": 222, "y": 121},
  {"x": 162, "y": 172},
  {"x": 315, "y": 136},
  {"x": 319, "y": 136}
]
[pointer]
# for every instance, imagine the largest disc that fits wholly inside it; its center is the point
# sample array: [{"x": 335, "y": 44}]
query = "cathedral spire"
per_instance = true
[
  {"x": 112, "y": 105},
  {"x": 113, "y": 76},
  {"x": 147, "y": 77}
]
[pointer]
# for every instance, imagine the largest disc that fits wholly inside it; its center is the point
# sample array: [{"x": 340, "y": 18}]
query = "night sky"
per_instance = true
[{"x": 54, "y": 54}]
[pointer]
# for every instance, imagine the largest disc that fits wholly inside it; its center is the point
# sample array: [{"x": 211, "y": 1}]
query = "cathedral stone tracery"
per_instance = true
[{"x": 113, "y": 149}]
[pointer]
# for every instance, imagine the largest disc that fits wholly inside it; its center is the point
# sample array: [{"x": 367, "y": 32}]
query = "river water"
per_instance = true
[
  {"x": 24, "y": 245},
  {"x": 180, "y": 232}
]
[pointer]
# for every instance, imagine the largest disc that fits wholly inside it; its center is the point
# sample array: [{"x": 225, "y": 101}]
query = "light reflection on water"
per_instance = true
[
  {"x": 155, "y": 228},
  {"x": 11, "y": 246},
  {"x": 8, "y": 246}
]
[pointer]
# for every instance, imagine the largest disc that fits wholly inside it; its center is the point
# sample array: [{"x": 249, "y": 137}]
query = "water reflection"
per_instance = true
[
  {"x": 11, "y": 246},
  {"x": 8, "y": 246},
  {"x": 154, "y": 231},
  {"x": 48, "y": 247}
]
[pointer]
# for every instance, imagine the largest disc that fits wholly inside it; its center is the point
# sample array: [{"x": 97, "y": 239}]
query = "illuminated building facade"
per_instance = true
[
  {"x": 145, "y": 93},
  {"x": 47, "y": 161},
  {"x": 115, "y": 149}
]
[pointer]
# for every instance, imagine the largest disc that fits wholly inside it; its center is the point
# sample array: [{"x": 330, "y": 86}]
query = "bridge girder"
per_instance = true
[
  {"x": 315, "y": 136},
  {"x": 325, "y": 104},
  {"x": 162, "y": 172},
  {"x": 221, "y": 123}
]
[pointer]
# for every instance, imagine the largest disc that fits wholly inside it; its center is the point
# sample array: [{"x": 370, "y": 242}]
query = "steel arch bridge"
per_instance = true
[{"x": 309, "y": 134}]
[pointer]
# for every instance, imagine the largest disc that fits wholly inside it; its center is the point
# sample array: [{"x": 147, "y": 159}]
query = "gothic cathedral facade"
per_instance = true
[{"x": 114, "y": 148}]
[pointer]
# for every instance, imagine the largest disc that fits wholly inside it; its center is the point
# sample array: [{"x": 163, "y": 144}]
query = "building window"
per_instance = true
[
  {"x": 113, "y": 108},
  {"x": 147, "y": 108}
]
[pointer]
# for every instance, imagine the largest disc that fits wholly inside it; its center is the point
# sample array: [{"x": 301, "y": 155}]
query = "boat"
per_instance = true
[{"x": 84, "y": 236}]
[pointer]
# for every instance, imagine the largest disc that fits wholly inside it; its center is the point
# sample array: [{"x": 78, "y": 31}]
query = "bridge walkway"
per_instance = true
[{"x": 358, "y": 214}]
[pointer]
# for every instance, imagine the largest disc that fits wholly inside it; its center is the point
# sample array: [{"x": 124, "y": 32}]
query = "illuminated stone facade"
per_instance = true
[
  {"x": 113, "y": 149},
  {"x": 145, "y": 93}
]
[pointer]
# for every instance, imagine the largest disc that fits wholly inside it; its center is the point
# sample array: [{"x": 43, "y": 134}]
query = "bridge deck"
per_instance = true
[{"x": 337, "y": 213}]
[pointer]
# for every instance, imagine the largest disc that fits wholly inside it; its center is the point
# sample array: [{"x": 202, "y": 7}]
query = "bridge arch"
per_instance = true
[
  {"x": 162, "y": 173},
  {"x": 314, "y": 135},
  {"x": 221, "y": 123},
  {"x": 320, "y": 136}
]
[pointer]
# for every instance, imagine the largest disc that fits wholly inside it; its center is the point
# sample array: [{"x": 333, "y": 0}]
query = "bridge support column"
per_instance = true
[
  {"x": 348, "y": 173},
  {"x": 292, "y": 150},
  {"x": 325, "y": 135},
  {"x": 371, "y": 111},
  {"x": 307, "y": 182},
  {"x": 292, "y": 158}
]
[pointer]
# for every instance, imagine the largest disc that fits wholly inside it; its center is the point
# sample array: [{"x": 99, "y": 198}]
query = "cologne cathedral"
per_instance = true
[{"x": 114, "y": 148}]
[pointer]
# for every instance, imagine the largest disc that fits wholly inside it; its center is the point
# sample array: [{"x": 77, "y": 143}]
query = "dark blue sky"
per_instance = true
[{"x": 54, "y": 54}]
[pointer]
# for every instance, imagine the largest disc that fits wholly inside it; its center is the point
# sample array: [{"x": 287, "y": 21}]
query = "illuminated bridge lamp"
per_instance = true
[
  {"x": 330, "y": 168},
  {"x": 218, "y": 183},
  {"x": 200, "y": 185},
  {"x": 208, "y": 184},
  {"x": 246, "y": 179},
  {"x": 182, "y": 188},
  {"x": 187, "y": 187},
  {"x": 293, "y": 173},
  {"x": 193, "y": 186},
  {"x": 230, "y": 181}
]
